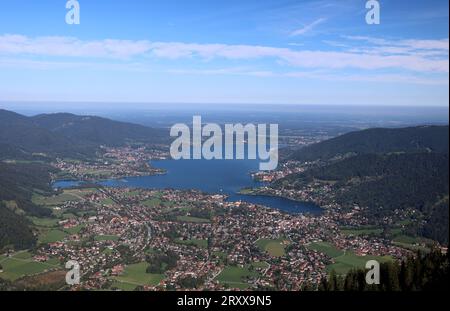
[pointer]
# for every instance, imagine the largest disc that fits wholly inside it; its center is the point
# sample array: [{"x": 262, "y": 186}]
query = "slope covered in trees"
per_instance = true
[
  {"x": 385, "y": 171},
  {"x": 67, "y": 135},
  {"x": 17, "y": 184},
  {"x": 98, "y": 131},
  {"x": 378, "y": 140},
  {"x": 423, "y": 272},
  {"x": 14, "y": 229}
]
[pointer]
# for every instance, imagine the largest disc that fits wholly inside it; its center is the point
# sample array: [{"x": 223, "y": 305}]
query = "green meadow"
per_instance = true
[
  {"x": 234, "y": 276},
  {"x": 275, "y": 248},
  {"x": 344, "y": 261},
  {"x": 21, "y": 264},
  {"x": 326, "y": 248},
  {"x": 106, "y": 238},
  {"x": 52, "y": 236},
  {"x": 135, "y": 275},
  {"x": 192, "y": 219}
]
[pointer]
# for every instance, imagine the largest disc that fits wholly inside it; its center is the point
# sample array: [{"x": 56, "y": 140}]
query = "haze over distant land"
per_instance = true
[{"x": 292, "y": 116}]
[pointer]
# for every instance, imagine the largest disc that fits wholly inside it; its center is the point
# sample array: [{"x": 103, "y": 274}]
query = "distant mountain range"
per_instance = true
[{"x": 67, "y": 135}]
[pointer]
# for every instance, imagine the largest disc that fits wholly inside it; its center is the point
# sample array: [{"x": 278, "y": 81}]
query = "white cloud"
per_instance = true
[
  {"x": 72, "y": 47},
  {"x": 410, "y": 55},
  {"x": 409, "y": 45},
  {"x": 317, "y": 75},
  {"x": 307, "y": 28}
]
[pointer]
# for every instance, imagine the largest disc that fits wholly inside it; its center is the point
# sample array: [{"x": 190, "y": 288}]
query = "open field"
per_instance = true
[
  {"x": 349, "y": 261},
  {"x": 21, "y": 265},
  {"x": 52, "y": 280},
  {"x": 106, "y": 238},
  {"x": 326, "y": 248},
  {"x": 275, "y": 248},
  {"x": 362, "y": 231},
  {"x": 155, "y": 202},
  {"x": 136, "y": 275},
  {"x": 52, "y": 236},
  {"x": 74, "y": 195},
  {"x": 44, "y": 222},
  {"x": 124, "y": 286},
  {"x": 235, "y": 277},
  {"x": 74, "y": 230},
  {"x": 192, "y": 219},
  {"x": 344, "y": 261}
]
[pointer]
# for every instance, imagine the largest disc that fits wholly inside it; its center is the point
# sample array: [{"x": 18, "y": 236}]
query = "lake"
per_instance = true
[{"x": 215, "y": 176}]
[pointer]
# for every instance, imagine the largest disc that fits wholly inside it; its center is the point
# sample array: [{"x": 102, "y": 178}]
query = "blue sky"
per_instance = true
[{"x": 317, "y": 52}]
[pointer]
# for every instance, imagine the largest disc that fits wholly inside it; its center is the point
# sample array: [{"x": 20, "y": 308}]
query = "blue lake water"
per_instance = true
[{"x": 216, "y": 176}]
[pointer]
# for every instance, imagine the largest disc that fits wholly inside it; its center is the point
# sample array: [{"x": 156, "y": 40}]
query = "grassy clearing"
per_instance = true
[
  {"x": 192, "y": 219},
  {"x": 106, "y": 238},
  {"x": 54, "y": 200},
  {"x": 235, "y": 277},
  {"x": 344, "y": 261},
  {"x": 326, "y": 248},
  {"x": 275, "y": 248},
  {"x": 136, "y": 275},
  {"x": 131, "y": 194},
  {"x": 50, "y": 281},
  {"x": 73, "y": 195},
  {"x": 413, "y": 243},
  {"x": 44, "y": 222},
  {"x": 349, "y": 261},
  {"x": 75, "y": 230},
  {"x": 16, "y": 268},
  {"x": 154, "y": 202},
  {"x": 128, "y": 287},
  {"x": 362, "y": 231},
  {"x": 22, "y": 255},
  {"x": 406, "y": 239},
  {"x": 52, "y": 236}
]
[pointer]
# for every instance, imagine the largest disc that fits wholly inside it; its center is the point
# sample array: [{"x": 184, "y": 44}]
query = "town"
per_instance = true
[{"x": 128, "y": 239}]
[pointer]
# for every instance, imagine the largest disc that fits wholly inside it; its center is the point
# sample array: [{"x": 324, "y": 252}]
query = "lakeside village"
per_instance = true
[{"x": 128, "y": 239}]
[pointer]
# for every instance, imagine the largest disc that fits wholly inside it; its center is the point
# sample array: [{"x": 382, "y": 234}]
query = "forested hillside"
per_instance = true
[
  {"x": 17, "y": 184},
  {"x": 98, "y": 131},
  {"x": 424, "y": 272},
  {"x": 413, "y": 139},
  {"x": 67, "y": 135},
  {"x": 385, "y": 171}
]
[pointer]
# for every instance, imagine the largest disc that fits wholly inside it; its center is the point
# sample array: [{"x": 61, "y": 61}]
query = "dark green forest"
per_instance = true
[
  {"x": 17, "y": 184},
  {"x": 378, "y": 140},
  {"x": 423, "y": 272},
  {"x": 385, "y": 171}
]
